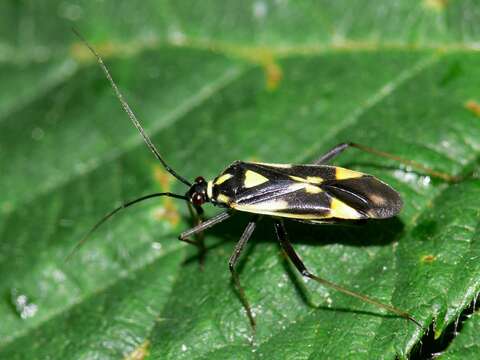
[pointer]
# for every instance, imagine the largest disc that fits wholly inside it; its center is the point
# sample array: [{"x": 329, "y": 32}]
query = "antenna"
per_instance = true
[
  {"x": 130, "y": 113},
  {"x": 116, "y": 210}
]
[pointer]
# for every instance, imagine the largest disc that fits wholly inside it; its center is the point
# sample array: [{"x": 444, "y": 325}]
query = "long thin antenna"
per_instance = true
[
  {"x": 129, "y": 111},
  {"x": 113, "y": 212}
]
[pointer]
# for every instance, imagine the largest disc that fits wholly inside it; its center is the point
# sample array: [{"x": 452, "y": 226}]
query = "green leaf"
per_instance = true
[
  {"x": 275, "y": 81},
  {"x": 465, "y": 345}
]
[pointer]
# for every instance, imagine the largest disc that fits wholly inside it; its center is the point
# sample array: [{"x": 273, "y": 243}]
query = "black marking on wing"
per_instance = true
[
  {"x": 367, "y": 195},
  {"x": 323, "y": 171}
]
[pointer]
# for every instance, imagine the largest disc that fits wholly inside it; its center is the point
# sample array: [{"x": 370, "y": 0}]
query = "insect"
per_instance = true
[{"x": 314, "y": 193}]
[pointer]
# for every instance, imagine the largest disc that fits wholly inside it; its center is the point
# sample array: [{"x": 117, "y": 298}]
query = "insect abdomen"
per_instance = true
[{"x": 367, "y": 195}]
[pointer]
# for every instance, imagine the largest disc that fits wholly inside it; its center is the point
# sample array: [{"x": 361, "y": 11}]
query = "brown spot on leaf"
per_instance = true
[
  {"x": 169, "y": 211},
  {"x": 162, "y": 177},
  {"x": 436, "y": 5},
  {"x": 253, "y": 159},
  {"x": 273, "y": 74},
  {"x": 7, "y": 207},
  {"x": 428, "y": 258},
  {"x": 82, "y": 54},
  {"x": 140, "y": 353},
  {"x": 473, "y": 107}
]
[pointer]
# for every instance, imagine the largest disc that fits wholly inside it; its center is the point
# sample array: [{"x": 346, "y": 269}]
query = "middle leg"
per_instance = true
[
  {"x": 184, "y": 236},
  {"x": 233, "y": 261}
]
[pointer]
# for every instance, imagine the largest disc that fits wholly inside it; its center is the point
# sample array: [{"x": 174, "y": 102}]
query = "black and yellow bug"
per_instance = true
[{"x": 315, "y": 193}]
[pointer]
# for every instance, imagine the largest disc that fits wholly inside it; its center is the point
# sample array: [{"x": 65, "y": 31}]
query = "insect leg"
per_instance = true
[
  {"x": 292, "y": 255},
  {"x": 184, "y": 236},
  {"x": 197, "y": 214},
  {"x": 232, "y": 262},
  {"x": 337, "y": 150},
  {"x": 329, "y": 155}
]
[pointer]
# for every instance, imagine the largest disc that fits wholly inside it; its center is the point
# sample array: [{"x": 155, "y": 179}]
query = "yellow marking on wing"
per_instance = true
[
  {"x": 341, "y": 210},
  {"x": 297, "y": 178},
  {"x": 253, "y": 179},
  {"x": 210, "y": 189},
  {"x": 270, "y": 206},
  {"x": 221, "y": 179},
  {"x": 342, "y": 173},
  {"x": 224, "y": 199},
  {"x": 314, "y": 179},
  {"x": 275, "y": 210},
  {"x": 309, "y": 179},
  {"x": 309, "y": 188},
  {"x": 312, "y": 189},
  {"x": 281, "y": 166},
  {"x": 301, "y": 216}
]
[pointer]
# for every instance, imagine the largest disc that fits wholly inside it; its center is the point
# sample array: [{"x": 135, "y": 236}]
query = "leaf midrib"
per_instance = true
[
  {"x": 253, "y": 55},
  {"x": 247, "y": 52},
  {"x": 226, "y": 79}
]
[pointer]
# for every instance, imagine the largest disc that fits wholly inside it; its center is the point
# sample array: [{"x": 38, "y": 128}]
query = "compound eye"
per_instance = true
[
  {"x": 199, "y": 179},
  {"x": 197, "y": 199}
]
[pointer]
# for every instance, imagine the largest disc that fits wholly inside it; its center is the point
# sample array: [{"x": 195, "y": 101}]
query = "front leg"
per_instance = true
[{"x": 184, "y": 236}]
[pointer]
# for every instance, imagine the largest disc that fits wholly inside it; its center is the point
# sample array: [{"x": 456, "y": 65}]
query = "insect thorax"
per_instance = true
[{"x": 223, "y": 189}]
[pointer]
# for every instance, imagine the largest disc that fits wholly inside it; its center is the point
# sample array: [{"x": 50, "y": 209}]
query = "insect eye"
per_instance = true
[
  {"x": 199, "y": 180},
  {"x": 197, "y": 199}
]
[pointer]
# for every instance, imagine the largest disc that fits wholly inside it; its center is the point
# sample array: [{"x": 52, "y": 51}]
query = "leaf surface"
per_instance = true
[{"x": 268, "y": 80}]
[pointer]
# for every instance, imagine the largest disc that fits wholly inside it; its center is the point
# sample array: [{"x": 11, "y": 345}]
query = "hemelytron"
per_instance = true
[{"x": 314, "y": 193}]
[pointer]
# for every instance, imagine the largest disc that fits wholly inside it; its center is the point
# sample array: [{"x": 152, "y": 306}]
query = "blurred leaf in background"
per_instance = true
[{"x": 216, "y": 81}]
